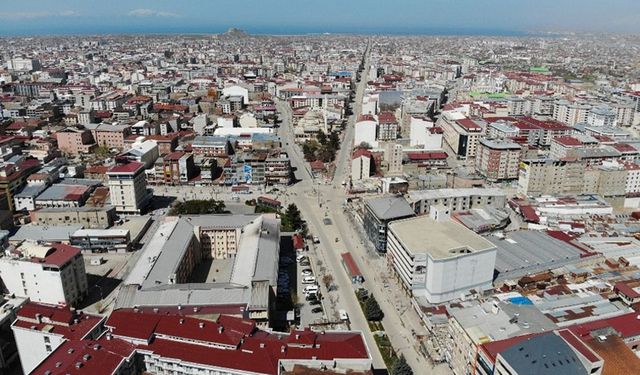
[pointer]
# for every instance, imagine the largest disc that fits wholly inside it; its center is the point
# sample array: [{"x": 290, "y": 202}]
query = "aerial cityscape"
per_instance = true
[{"x": 309, "y": 198}]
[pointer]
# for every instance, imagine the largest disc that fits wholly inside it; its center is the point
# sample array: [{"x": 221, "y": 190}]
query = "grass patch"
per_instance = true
[{"x": 386, "y": 350}]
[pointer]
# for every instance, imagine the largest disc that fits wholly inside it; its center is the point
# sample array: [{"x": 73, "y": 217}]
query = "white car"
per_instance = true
[
  {"x": 311, "y": 289},
  {"x": 307, "y": 272},
  {"x": 343, "y": 315},
  {"x": 299, "y": 257},
  {"x": 309, "y": 280}
]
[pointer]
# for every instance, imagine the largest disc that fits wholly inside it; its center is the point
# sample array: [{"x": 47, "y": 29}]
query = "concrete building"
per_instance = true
[
  {"x": 142, "y": 151},
  {"x": 243, "y": 250},
  {"x": 551, "y": 177},
  {"x": 456, "y": 199},
  {"x": 128, "y": 188},
  {"x": 101, "y": 240},
  {"x": 378, "y": 213},
  {"x": 361, "y": 165},
  {"x": 75, "y": 141},
  {"x": 393, "y": 158},
  {"x": 570, "y": 113},
  {"x": 40, "y": 330},
  {"x": 8, "y": 350},
  {"x": 460, "y": 133},
  {"x": 89, "y": 217},
  {"x": 439, "y": 260},
  {"x": 48, "y": 274},
  {"x": 365, "y": 131},
  {"x": 601, "y": 116},
  {"x": 625, "y": 113},
  {"x": 498, "y": 160},
  {"x": 26, "y": 199}
]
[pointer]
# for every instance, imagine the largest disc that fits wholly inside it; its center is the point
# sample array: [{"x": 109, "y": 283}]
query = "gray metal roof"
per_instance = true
[
  {"x": 185, "y": 294},
  {"x": 169, "y": 258},
  {"x": 54, "y": 233},
  {"x": 544, "y": 354},
  {"x": 389, "y": 208},
  {"x": 529, "y": 252},
  {"x": 31, "y": 191}
]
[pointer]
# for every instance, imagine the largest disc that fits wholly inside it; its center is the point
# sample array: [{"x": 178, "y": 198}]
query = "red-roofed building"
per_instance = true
[
  {"x": 48, "y": 274},
  {"x": 128, "y": 188},
  {"x": 153, "y": 342},
  {"x": 39, "y": 329}
]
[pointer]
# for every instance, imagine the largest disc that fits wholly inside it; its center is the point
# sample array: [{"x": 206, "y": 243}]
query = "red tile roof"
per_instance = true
[
  {"x": 628, "y": 325},
  {"x": 427, "y": 155},
  {"x": 351, "y": 265},
  {"x": 57, "y": 320},
  {"x": 567, "y": 141},
  {"x": 61, "y": 255},
  {"x": 468, "y": 124},
  {"x": 130, "y": 167}
]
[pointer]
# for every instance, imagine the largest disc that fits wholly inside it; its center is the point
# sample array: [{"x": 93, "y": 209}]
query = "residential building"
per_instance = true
[
  {"x": 498, "y": 160},
  {"x": 378, "y": 213},
  {"x": 439, "y": 260},
  {"x": 361, "y": 164},
  {"x": 75, "y": 141},
  {"x": 544, "y": 176},
  {"x": 89, "y": 217},
  {"x": 393, "y": 158},
  {"x": 41, "y": 329},
  {"x": 456, "y": 199},
  {"x": 49, "y": 274},
  {"x": 460, "y": 133},
  {"x": 128, "y": 188},
  {"x": 601, "y": 116},
  {"x": 142, "y": 151}
]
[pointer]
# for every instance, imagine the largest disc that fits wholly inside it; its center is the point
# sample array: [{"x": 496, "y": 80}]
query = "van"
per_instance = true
[
  {"x": 309, "y": 280},
  {"x": 343, "y": 315}
]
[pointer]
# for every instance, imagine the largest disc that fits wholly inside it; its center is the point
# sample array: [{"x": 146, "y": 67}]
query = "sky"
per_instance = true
[{"x": 44, "y": 17}]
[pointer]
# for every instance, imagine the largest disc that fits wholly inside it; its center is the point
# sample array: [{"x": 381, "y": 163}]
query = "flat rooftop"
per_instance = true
[{"x": 438, "y": 239}]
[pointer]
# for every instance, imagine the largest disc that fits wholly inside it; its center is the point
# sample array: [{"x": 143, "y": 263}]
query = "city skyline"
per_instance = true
[{"x": 493, "y": 17}]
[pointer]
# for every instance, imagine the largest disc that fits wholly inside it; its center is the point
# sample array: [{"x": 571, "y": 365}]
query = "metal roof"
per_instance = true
[{"x": 389, "y": 208}]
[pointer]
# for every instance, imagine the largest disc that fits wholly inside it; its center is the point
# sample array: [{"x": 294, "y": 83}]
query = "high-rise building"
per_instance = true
[
  {"x": 128, "y": 188},
  {"x": 498, "y": 160}
]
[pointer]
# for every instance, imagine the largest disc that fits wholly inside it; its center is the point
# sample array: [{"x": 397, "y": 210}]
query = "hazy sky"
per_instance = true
[{"x": 283, "y": 16}]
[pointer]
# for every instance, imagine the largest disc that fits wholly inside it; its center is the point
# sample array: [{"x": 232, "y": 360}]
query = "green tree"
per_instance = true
[
  {"x": 372, "y": 310},
  {"x": 322, "y": 138},
  {"x": 309, "y": 149},
  {"x": 199, "y": 207},
  {"x": 102, "y": 151},
  {"x": 291, "y": 220},
  {"x": 334, "y": 141},
  {"x": 401, "y": 367}
]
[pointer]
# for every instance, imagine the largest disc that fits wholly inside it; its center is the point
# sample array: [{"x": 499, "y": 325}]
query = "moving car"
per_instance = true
[
  {"x": 343, "y": 315},
  {"x": 309, "y": 280},
  {"x": 307, "y": 272}
]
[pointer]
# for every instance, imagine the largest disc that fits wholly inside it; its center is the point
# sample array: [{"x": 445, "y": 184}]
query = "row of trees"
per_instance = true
[
  {"x": 323, "y": 148},
  {"x": 198, "y": 207}
]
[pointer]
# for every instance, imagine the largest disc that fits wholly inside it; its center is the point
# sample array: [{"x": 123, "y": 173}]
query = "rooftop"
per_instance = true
[
  {"x": 389, "y": 208},
  {"x": 438, "y": 239}
]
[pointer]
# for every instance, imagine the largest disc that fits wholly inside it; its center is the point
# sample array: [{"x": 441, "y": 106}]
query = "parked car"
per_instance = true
[
  {"x": 309, "y": 280},
  {"x": 307, "y": 272},
  {"x": 314, "y": 301},
  {"x": 316, "y": 309}
]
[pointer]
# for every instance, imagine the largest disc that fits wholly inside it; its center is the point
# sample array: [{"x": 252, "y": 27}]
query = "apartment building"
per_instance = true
[
  {"x": 545, "y": 176},
  {"x": 378, "y": 213},
  {"x": 75, "y": 141},
  {"x": 89, "y": 217},
  {"x": 461, "y": 134},
  {"x": 570, "y": 113},
  {"x": 128, "y": 188},
  {"x": 456, "y": 199},
  {"x": 48, "y": 274},
  {"x": 498, "y": 159}
]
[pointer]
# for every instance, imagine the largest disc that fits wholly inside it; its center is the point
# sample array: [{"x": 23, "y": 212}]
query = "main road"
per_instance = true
[{"x": 316, "y": 201}]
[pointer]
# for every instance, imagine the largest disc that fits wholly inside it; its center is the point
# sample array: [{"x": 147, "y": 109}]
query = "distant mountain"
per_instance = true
[{"x": 234, "y": 33}]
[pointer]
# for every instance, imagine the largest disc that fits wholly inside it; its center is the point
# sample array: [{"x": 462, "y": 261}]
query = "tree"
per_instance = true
[
  {"x": 372, "y": 310},
  {"x": 401, "y": 367},
  {"x": 334, "y": 141},
  {"x": 199, "y": 207},
  {"x": 322, "y": 138},
  {"x": 291, "y": 219},
  {"x": 327, "y": 280},
  {"x": 309, "y": 149},
  {"x": 364, "y": 145}
]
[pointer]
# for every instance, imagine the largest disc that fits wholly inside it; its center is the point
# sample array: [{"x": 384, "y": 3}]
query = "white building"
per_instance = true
[
  {"x": 365, "y": 131},
  {"x": 602, "y": 116},
  {"x": 237, "y": 91},
  {"x": 570, "y": 113},
  {"x": 361, "y": 165},
  {"x": 633, "y": 178},
  {"x": 48, "y": 274},
  {"x": 128, "y": 188},
  {"x": 422, "y": 133},
  {"x": 439, "y": 260},
  {"x": 625, "y": 113},
  {"x": 40, "y": 329},
  {"x": 393, "y": 157},
  {"x": 141, "y": 151}
]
